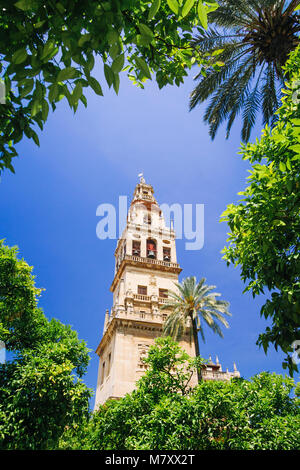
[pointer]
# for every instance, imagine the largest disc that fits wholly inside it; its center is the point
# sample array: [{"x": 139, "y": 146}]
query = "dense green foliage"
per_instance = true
[
  {"x": 193, "y": 305},
  {"x": 265, "y": 225},
  {"x": 40, "y": 387},
  {"x": 48, "y": 51},
  {"x": 164, "y": 414},
  {"x": 254, "y": 38}
]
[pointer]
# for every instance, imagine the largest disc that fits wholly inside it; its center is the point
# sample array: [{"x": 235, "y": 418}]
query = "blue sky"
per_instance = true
[{"x": 48, "y": 208}]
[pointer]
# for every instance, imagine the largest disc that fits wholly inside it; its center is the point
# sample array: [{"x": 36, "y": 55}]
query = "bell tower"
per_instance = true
[{"x": 145, "y": 270}]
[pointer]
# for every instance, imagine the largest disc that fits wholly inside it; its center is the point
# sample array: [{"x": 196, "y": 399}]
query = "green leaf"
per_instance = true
[
  {"x": 84, "y": 100},
  {"x": 202, "y": 13},
  {"x": 278, "y": 222},
  {"x": 28, "y": 85},
  {"x": 49, "y": 47},
  {"x": 90, "y": 62},
  {"x": 174, "y": 6},
  {"x": 289, "y": 185},
  {"x": 19, "y": 56},
  {"x": 282, "y": 166},
  {"x": 187, "y": 7},
  {"x": 154, "y": 9},
  {"x": 109, "y": 75},
  {"x": 112, "y": 37},
  {"x": 118, "y": 63},
  {"x": 53, "y": 92},
  {"x": 145, "y": 31},
  {"x": 295, "y": 148},
  {"x": 116, "y": 83},
  {"x": 66, "y": 74},
  {"x": 114, "y": 51},
  {"x": 35, "y": 107},
  {"x": 77, "y": 92},
  {"x": 60, "y": 8},
  {"x": 296, "y": 121},
  {"x": 26, "y": 4},
  {"x": 45, "y": 110},
  {"x": 279, "y": 138},
  {"x": 84, "y": 38},
  {"x": 143, "y": 67},
  {"x": 142, "y": 40},
  {"x": 34, "y": 136},
  {"x": 217, "y": 52},
  {"x": 95, "y": 85},
  {"x": 39, "y": 24}
]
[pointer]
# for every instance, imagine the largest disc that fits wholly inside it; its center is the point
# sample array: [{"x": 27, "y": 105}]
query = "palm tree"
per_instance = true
[
  {"x": 194, "y": 303},
  {"x": 255, "y": 38}
]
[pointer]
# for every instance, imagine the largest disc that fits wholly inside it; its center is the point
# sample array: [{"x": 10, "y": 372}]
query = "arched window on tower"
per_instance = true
[
  {"x": 166, "y": 253},
  {"x": 151, "y": 249},
  {"x": 136, "y": 248}
]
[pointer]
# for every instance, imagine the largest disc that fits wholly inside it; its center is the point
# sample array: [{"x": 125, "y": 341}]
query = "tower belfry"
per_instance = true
[{"x": 145, "y": 270}]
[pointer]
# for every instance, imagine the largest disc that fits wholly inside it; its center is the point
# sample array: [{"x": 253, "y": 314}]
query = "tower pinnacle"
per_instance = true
[{"x": 141, "y": 176}]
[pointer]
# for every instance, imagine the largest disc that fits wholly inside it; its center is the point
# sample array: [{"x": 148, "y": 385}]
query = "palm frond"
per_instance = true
[
  {"x": 194, "y": 302},
  {"x": 270, "y": 100},
  {"x": 257, "y": 32},
  {"x": 251, "y": 107}
]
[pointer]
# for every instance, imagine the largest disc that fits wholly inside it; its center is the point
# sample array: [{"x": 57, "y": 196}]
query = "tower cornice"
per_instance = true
[
  {"x": 127, "y": 323},
  {"x": 149, "y": 263}
]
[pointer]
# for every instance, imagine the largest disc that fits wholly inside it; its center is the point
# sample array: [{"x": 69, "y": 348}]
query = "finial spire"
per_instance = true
[{"x": 141, "y": 176}]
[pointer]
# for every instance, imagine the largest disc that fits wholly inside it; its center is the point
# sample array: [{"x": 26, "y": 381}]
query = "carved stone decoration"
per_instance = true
[
  {"x": 152, "y": 281},
  {"x": 143, "y": 349}
]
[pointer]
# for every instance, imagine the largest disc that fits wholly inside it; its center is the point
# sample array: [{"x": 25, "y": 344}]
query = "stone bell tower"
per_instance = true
[{"x": 145, "y": 269}]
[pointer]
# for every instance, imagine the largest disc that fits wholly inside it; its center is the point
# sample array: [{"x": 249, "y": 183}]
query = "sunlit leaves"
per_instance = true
[
  {"x": 174, "y": 6},
  {"x": 141, "y": 64},
  {"x": 265, "y": 224},
  {"x": 202, "y": 13},
  {"x": 187, "y": 6},
  {"x": 153, "y": 9},
  {"x": 46, "y": 363},
  {"x": 164, "y": 413},
  {"x": 42, "y": 44}
]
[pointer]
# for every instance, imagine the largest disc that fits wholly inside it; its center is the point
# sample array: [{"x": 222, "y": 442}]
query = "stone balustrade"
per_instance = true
[{"x": 157, "y": 262}]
